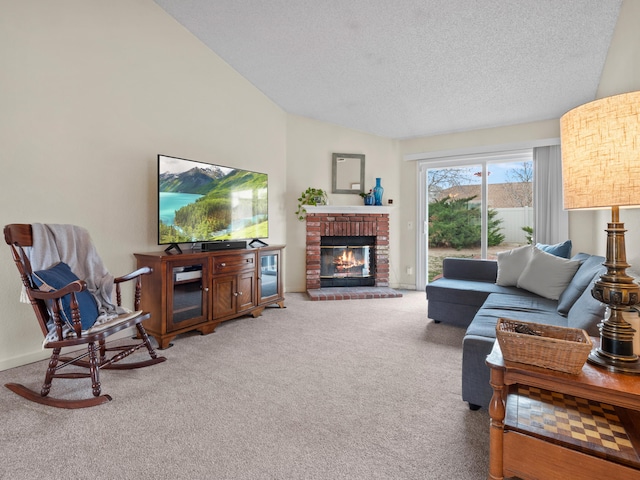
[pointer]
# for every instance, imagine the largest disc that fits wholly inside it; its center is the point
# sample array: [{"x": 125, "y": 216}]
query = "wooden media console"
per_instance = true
[{"x": 198, "y": 290}]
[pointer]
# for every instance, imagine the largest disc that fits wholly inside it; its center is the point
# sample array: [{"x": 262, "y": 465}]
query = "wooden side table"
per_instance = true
[{"x": 528, "y": 448}]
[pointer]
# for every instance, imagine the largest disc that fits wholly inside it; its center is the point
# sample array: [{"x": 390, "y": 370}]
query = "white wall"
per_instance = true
[
  {"x": 310, "y": 145},
  {"x": 621, "y": 74},
  {"x": 90, "y": 92}
]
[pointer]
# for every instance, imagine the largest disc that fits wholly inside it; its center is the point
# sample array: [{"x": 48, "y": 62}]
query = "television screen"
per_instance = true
[{"x": 202, "y": 202}]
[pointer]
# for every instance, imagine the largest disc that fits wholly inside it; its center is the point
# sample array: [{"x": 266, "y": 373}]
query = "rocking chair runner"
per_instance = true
[{"x": 49, "y": 310}]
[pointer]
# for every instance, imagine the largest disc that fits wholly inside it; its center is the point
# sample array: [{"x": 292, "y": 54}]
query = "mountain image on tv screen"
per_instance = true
[{"x": 200, "y": 202}]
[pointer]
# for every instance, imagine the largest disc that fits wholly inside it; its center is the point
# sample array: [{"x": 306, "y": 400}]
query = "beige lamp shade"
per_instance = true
[{"x": 600, "y": 144}]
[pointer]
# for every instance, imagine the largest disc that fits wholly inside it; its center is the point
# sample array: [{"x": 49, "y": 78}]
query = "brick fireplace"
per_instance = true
[{"x": 348, "y": 221}]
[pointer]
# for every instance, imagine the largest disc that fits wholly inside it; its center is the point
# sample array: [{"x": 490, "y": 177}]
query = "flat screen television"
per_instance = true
[{"x": 203, "y": 202}]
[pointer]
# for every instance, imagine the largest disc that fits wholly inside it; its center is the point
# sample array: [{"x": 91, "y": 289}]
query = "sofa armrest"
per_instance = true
[{"x": 470, "y": 269}]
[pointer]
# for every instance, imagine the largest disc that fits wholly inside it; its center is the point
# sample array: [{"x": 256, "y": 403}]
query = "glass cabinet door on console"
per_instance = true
[
  {"x": 187, "y": 305},
  {"x": 269, "y": 283}
]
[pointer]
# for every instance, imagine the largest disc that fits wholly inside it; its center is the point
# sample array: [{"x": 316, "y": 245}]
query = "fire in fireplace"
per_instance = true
[{"x": 347, "y": 261}]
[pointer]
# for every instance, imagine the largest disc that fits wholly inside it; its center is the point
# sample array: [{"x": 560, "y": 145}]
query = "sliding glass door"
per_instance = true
[
  {"x": 473, "y": 207},
  {"x": 454, "y": 220}
]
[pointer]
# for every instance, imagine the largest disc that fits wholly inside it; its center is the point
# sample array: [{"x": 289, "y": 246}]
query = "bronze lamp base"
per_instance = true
[{"x": 617, "y": 290}]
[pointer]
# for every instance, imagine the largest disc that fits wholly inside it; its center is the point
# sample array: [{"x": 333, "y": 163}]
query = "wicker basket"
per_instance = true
[{"x": 557, "y": 348}]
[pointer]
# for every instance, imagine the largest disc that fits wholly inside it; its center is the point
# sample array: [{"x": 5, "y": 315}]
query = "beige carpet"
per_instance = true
[{"x": 357, "y": 389}]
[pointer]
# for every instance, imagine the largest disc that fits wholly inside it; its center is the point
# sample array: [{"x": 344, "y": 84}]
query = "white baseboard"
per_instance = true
[
  {"x": 42, "y": 354},
  {"x": 25, "y": 359}
]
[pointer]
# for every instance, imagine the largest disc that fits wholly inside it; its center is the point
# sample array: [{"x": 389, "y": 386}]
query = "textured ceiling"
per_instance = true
[{"x": 408, "y": 68}]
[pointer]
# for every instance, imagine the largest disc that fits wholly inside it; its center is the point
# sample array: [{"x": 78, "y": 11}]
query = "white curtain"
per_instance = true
[{"x": 551, "y": 220}]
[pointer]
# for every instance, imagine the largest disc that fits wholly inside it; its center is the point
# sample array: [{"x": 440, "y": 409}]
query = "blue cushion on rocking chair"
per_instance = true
[{"x": 59, "y": 276}]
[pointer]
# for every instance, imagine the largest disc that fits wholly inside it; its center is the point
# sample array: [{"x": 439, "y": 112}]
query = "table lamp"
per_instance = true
[{"x": 600, "y": 143}]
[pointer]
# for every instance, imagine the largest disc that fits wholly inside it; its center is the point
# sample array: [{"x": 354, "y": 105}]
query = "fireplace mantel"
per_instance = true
[{"x": 359, "y": 209}]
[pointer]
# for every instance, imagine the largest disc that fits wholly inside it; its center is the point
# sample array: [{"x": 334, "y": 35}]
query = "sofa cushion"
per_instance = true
[
  {"x": 511, "y": 264},
  {"x": 579, "y": 282},
  {"x": 587, "y": 312},
  {"x": 581, "y": 257},
  {"x": 466, "y": 291},
  {"x": 547, "y": 275},
  {"x": 562, "y": 249},
  {"x": 469, "y": 269},
  {"x": 527, "y": 308}
]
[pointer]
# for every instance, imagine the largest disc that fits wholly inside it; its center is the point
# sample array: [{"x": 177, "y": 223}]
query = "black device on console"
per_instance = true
[{"x": 223, "y": 245}]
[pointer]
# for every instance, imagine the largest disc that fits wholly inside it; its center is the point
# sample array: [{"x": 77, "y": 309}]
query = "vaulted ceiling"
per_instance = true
[{"x": 409, "y": 68}]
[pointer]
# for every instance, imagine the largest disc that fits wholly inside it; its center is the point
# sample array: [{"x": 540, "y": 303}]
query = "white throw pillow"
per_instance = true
[
  {"x": 511, "y": 264},
  {"x": 547, "y": 275}
]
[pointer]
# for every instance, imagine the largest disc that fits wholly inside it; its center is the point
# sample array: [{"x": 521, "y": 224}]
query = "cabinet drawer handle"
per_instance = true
[{"x": 223, "y": 264}]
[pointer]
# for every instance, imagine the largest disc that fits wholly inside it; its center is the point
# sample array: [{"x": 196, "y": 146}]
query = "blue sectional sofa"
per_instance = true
[{"x": 467, "y": 296}]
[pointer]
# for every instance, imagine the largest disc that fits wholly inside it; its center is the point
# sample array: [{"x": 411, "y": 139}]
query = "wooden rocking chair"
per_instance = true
[{"x": 49, "y": 310}]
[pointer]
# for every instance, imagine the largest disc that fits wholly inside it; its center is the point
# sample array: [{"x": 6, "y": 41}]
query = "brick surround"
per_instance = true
[{"x": 349, "y": 224}]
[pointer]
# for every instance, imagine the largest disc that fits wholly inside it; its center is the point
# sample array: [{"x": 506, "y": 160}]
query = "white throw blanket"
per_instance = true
[{"x": 72, "y": 245}]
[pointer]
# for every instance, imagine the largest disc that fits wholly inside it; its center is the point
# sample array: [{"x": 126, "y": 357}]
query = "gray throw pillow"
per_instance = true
[
  {"x": 547, "y": 275},
  {"x": 511, "y": 264}
]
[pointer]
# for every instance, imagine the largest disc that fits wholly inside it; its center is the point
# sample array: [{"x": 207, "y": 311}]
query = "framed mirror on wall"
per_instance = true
[{"x": 348, "y": 173}]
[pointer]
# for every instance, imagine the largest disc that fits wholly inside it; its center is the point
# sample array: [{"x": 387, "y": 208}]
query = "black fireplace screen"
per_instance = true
[{"x": 346, "y": 261}]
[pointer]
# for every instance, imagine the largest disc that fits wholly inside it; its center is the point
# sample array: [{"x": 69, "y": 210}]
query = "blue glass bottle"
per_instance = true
[{"x": 377, "y": 192}]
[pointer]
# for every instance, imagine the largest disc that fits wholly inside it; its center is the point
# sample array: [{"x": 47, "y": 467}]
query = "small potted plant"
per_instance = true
[{"x": 311, "y": 196}]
